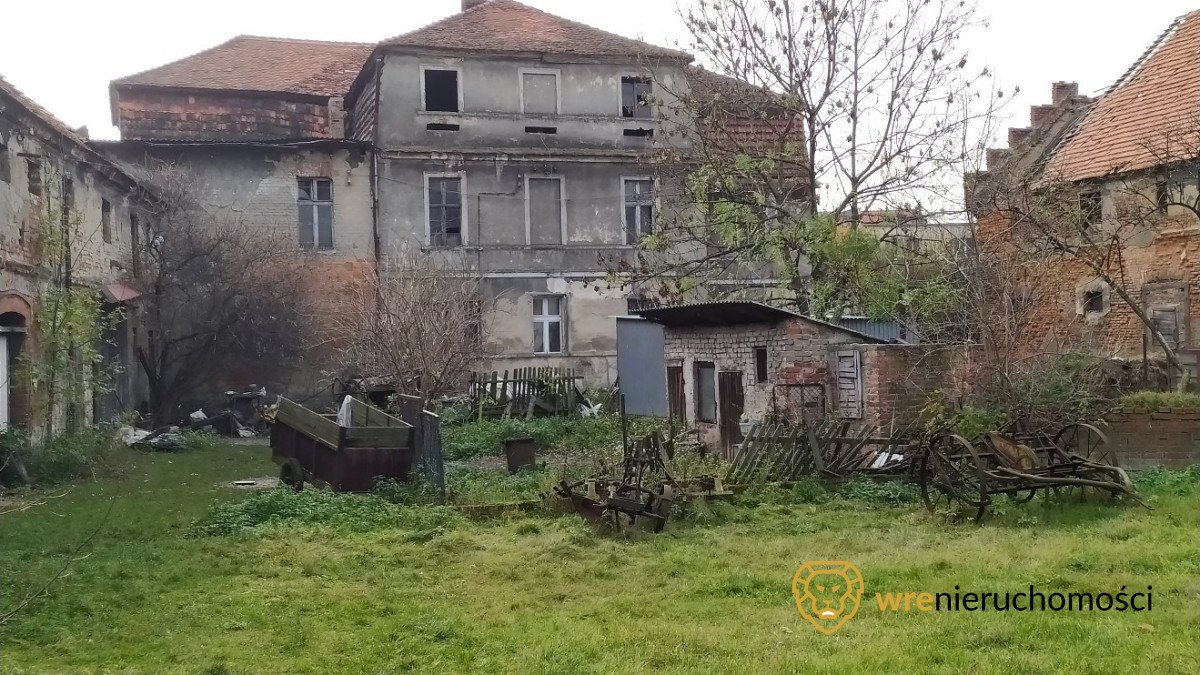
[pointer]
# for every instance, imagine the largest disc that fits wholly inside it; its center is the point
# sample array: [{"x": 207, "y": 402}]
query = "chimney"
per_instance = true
[
  {"x": 468, "y": 4},
  {"x": 1063, "y": 91}
]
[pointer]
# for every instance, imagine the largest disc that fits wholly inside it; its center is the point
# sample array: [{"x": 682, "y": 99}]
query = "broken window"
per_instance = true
[
  {"x": 544, "y": 208},
  {"x": 1090, "y": 209},
  {"x": 1093, "y": 302},
  {"x": 539, "y": 93},
  {"x": 106, "y": 220},
  {"x": 1162, "y": 194},
  {"x": 315, "y": 201},
  {"x": 635, "y": 97},
  {"x": 548, "y": 324},
  {"x": 445, "y": 211},
  {"x": 1165, "y": 320},
  {"x": 33, "y": 175},
  {"x": 441, "y": 90},
  {"x": 760, "y": 365},
  {"x": 706, "y": 392},
  {"x": 639, "y": 208}
]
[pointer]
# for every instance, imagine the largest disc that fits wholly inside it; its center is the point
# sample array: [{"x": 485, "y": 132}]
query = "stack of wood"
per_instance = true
[{"x": 827, "y": 448}]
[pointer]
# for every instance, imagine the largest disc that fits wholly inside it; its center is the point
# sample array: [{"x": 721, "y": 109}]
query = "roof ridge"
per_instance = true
[
  {"x": 126, "y": 78},
  {"x": 442, "y": 20},
  {"x": 1150, "y": 51},
  {"x": 276, "y": 38}
]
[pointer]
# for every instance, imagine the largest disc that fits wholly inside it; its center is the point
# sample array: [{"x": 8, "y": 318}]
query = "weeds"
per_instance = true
[
  {"x": 1151, "y": 401},
  {"x": 351, "y": 512},
  {"x": 88, "y": 452}
]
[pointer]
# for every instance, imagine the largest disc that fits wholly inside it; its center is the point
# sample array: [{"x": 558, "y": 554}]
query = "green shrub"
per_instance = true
[
  {"x": 1168, "y": 481},
  {"x": 323, "y": 507},
  {"x": 550, "y": 433},
  {"x": 86, "y": 452},
  {"x": 479, "y": 486},
  {"x": 1150, "y": 401}
]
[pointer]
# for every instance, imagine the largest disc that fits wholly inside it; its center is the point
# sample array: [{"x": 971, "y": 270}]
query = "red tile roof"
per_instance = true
[
  {"x": 266, "y": 64},
  {"x": 509, "y": 26},
  {"x": 1124, "y": 131}
]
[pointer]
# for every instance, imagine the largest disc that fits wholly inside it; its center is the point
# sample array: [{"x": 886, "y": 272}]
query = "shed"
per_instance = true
[{"x": 729, "y": 361}]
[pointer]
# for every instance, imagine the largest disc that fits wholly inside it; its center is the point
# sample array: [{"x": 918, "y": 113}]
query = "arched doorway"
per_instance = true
[{"x": 13, "y": 327}]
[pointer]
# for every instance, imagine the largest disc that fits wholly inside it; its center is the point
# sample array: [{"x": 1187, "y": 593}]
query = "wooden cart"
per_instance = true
[
  {"x": 963, "y": 475},
  {"x": 311, "y": 447}
]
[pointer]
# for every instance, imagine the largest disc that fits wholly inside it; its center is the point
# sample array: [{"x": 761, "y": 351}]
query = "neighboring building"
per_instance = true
[
  {"x": 68, "y": 218},
  {"x": 504, "y": 137},
  {"x": 1138, "y": 142}
]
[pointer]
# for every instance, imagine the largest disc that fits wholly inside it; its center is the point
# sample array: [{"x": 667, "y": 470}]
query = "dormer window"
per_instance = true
[
  {"x": 441, "y": 92},
  {"x": 635, "y": 97}
]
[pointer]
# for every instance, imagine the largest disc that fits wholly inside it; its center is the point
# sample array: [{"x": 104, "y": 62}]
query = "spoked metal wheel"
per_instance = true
[
  {"x": 1088, "y": 447},
  {"x": 952, "y": 477}
]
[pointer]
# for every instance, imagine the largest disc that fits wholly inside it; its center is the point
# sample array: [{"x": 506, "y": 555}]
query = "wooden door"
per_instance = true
[
  {"x": 849, "y": 385},
  {"x": 676, "y": 404},
  {"x": 731, "y": 406}
]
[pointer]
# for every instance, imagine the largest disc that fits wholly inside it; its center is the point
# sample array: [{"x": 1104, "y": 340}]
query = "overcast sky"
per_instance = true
[{"x": 63, "y": 54}]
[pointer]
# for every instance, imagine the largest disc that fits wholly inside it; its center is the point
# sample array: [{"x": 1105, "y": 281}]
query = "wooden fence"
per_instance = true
[{"x": 524, "y": 391}]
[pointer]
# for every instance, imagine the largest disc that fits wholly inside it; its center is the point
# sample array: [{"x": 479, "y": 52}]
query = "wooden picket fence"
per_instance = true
[
  {"x": 828, "y": 448},
  {"x": 524, "y": 392}
]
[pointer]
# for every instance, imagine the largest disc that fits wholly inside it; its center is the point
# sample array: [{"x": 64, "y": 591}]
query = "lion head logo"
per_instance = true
[{"x": 827, "y": 593}]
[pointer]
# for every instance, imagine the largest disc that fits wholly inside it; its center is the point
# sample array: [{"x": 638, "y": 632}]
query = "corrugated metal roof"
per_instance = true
[{"x": 733, "y": 313}]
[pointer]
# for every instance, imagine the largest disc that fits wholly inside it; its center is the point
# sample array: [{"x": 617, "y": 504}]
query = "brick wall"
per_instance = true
[
  {"x": 899, "y": 380},
  {"x": 1169, "y": 438},
  {"x": 167, "y": 114}
]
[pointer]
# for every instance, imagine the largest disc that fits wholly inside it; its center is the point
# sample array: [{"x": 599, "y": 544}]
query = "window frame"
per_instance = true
[
  {"x": 459, "y": 81},
  {"x": 644, "y": 79},
  {"x": 315, "y": 204},
  {"x": 106, "y": 220},
  {"x": 522, "y": 72},
  {"x": 762, "y": 364},
  {"x": 653, "y": 206},
  {"x": 462, "y": 201},
  {"x": 1090, "y": 218},
  {"x": 562, "y": 206},
  {"x": 542, "y": 323},
  {"x": 696, "y": 390}
]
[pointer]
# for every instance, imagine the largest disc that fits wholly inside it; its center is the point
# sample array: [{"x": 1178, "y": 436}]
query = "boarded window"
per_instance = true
[
  {"x": 760, "y": 365},
  {"x": 676, "y": 401},
  {"x": 706, "y": 392},
  {"x": 441, "y": 90},
  {"x": 106, "y": 220},
  {"x": 1166, "y": 321},
  {"x": 315, "y": 202},
  {"x": 635, "y": 97},
  {"x": 544, "y": 208},
  {"x": 445, "y": 211},
  {"x": 548, "y": 324},
  {"x": 539, "y": 93},
  {"x": 849, "y": 385},
  {"x": 639, "y": 208}
]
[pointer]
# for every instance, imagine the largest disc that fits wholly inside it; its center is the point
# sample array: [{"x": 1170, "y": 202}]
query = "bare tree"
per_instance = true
[
  {"x": 838, "y": 106},
  {"x": 217, "y": 295},
  {"x": 418, "y": 326}
]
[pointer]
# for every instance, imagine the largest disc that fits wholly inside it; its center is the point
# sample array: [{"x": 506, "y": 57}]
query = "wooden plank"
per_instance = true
[{"x": 307, "y": 422}]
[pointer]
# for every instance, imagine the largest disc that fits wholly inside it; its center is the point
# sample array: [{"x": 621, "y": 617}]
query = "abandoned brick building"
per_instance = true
[
  {"x": 714, "y": 365},
  {"x": 69, "y": 217},
  {"x": 1131, "y": 151},
  {"x": 502, "y": 134}
]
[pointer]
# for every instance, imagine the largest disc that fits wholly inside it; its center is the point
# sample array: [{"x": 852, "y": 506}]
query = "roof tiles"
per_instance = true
[
  {"x": 263, "y": 64},
  {"x": 1127, "y": 128}
]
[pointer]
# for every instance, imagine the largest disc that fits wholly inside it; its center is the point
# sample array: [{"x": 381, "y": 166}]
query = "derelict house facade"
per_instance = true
[{"x": 501, "y": 138}]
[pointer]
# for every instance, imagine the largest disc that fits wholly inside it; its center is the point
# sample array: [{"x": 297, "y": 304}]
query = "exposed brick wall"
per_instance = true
[
  {"x": 899, "y": 380},
  {"x": 167, "y": 114},
  {"x": 1166, "y": 438}
]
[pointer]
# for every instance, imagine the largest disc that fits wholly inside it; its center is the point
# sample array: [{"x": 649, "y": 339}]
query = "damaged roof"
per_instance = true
[
  {"x": 1127, "y": 127},
  {"x": 509, "y": 26},
  {"x": 262, "y": 64},
  {"x": 734, "y": 313}
]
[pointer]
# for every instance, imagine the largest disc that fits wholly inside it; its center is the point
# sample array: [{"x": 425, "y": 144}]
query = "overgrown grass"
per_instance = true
[
  {"x": 1150, "y": 401},
  {"x": 86, "y": 452},
  {"x": 487, "y": 437},
  {"x": 331, "y": 583}
]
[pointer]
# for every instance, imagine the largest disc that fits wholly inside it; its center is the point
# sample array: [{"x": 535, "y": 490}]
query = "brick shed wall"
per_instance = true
[
  {"x": 1148, "y": 439},
  {"x": 798, "y": 352},
  {"x": 899, "y": 380}
]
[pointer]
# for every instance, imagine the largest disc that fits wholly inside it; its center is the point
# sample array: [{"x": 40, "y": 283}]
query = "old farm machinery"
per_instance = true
[
  {"x": 644, "y": 492},
  {"x": 964, "y": 475}
]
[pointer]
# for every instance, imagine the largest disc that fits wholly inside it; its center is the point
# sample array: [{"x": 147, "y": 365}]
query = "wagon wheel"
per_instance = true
[
  {"x": 1086, "y": 443},
  {"x": 952, "y": 477},
  {"x": 291, "y": 474}
]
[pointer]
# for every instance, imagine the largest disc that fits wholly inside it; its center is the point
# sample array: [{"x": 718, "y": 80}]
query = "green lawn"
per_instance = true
[{"x": 536, "y": 594}]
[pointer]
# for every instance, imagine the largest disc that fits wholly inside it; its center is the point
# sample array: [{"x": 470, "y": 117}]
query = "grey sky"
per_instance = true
[{"x": 64, "y": 54}]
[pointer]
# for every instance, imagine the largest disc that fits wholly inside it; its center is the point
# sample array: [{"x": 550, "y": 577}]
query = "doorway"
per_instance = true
[{"x": 732, "y": 405}]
